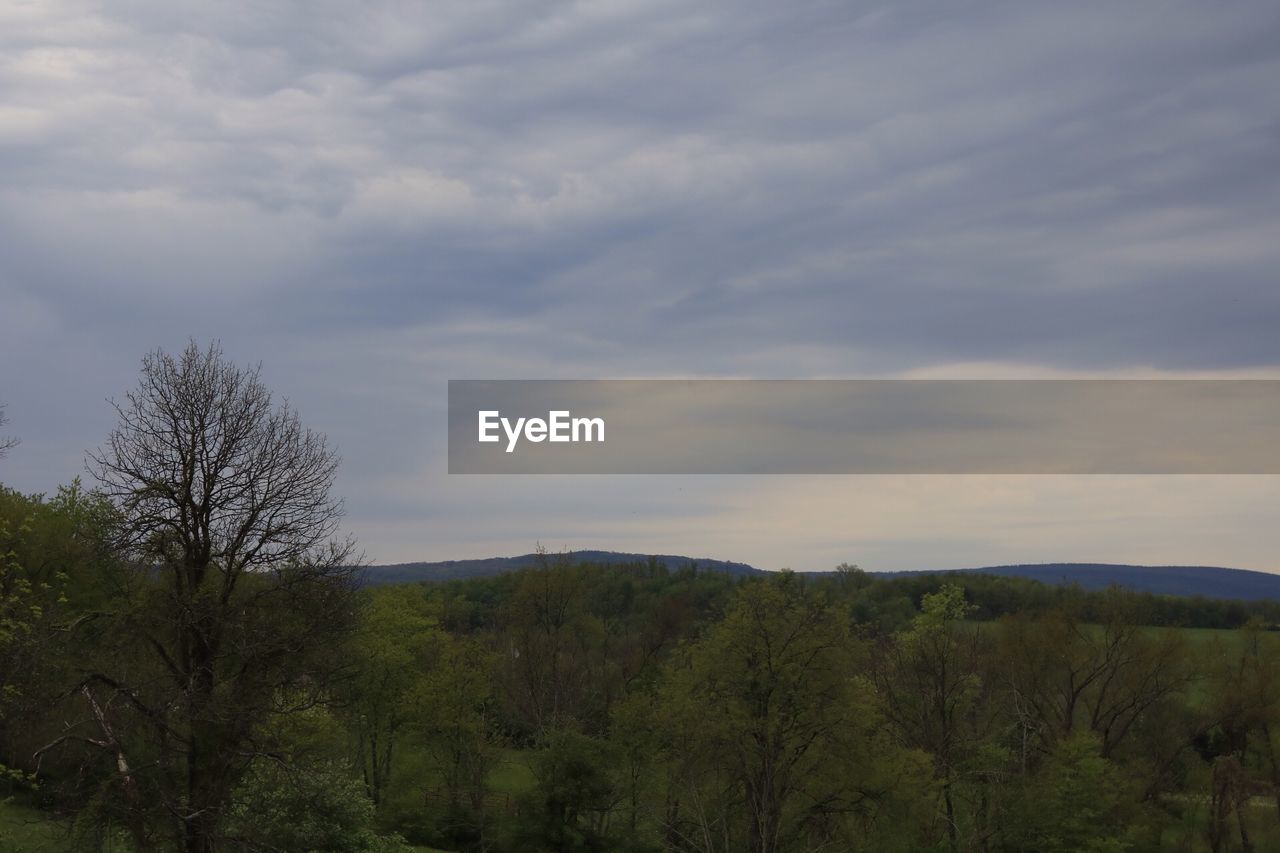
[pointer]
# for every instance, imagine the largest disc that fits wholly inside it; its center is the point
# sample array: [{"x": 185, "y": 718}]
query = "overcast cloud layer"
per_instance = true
[{"x": 372, "y": 198}]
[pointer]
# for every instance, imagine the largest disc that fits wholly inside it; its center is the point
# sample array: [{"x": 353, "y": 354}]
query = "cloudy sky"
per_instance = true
[{"x": 372, "y": 198}]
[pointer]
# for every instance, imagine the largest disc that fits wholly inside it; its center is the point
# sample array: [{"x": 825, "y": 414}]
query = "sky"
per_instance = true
[{"x": 371, "y": 199}]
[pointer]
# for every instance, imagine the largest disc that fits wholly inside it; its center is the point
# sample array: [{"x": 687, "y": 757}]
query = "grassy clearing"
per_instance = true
[
  {"x": 27, "y": 830},
  {"x": 512, "y": 774}
]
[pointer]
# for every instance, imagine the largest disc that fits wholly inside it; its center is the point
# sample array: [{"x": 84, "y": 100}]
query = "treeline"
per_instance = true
[{"x": 885, "y": 603}]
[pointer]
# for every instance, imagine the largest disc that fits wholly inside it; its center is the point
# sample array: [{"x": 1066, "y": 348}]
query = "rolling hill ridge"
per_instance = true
[{"x": 1208, "y": 581}]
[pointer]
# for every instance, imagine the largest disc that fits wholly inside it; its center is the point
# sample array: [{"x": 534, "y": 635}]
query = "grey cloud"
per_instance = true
[{"x": 564, "y": 189}]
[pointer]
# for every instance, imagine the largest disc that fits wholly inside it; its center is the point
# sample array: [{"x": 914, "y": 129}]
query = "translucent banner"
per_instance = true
[{"x": 715, "y": 426}]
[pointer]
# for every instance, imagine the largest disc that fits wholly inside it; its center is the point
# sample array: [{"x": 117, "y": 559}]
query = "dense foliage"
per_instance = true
[{"x": 589, "y": 707}]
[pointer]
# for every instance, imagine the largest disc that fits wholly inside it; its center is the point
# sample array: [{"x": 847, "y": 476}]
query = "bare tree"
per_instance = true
[
  {"x": 6, "y": 444},
  {"x": 238, "y": 592}
]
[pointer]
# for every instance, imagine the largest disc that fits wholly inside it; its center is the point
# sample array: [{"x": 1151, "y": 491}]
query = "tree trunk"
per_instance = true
[{"x": 952, "y": 833}]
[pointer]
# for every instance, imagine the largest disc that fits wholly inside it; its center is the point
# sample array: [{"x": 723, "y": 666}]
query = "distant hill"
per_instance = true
[
  {"x": 1208, "y": 581},
  {"x": 447, "y": 570}
]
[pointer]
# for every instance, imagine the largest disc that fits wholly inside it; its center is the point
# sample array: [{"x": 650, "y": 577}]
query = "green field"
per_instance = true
[{"x": 27, "y": 830}]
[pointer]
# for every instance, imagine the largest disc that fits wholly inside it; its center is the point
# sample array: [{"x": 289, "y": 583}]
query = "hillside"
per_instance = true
[
  {"x": 1207, "y": 581},
  {"x": 460, "y": 569}
]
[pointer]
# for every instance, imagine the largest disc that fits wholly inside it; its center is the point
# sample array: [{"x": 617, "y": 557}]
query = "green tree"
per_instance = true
[
  {"x": 1242, "y": 717},
  {"x": 453, "y": 708},
  {"x": 315, "y": 807},
  {"x": 53, "y": 557},
  {"x": 25, "y": 614},
  {"x": 544, "y": 667},
  {"x": 396, "y": 643},
  {"x": 1073, "y": 802},
  {"x": 774, "y": 743},
  {"x": 933, "y": 689},
  {"x": 574, "y": 794}
]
